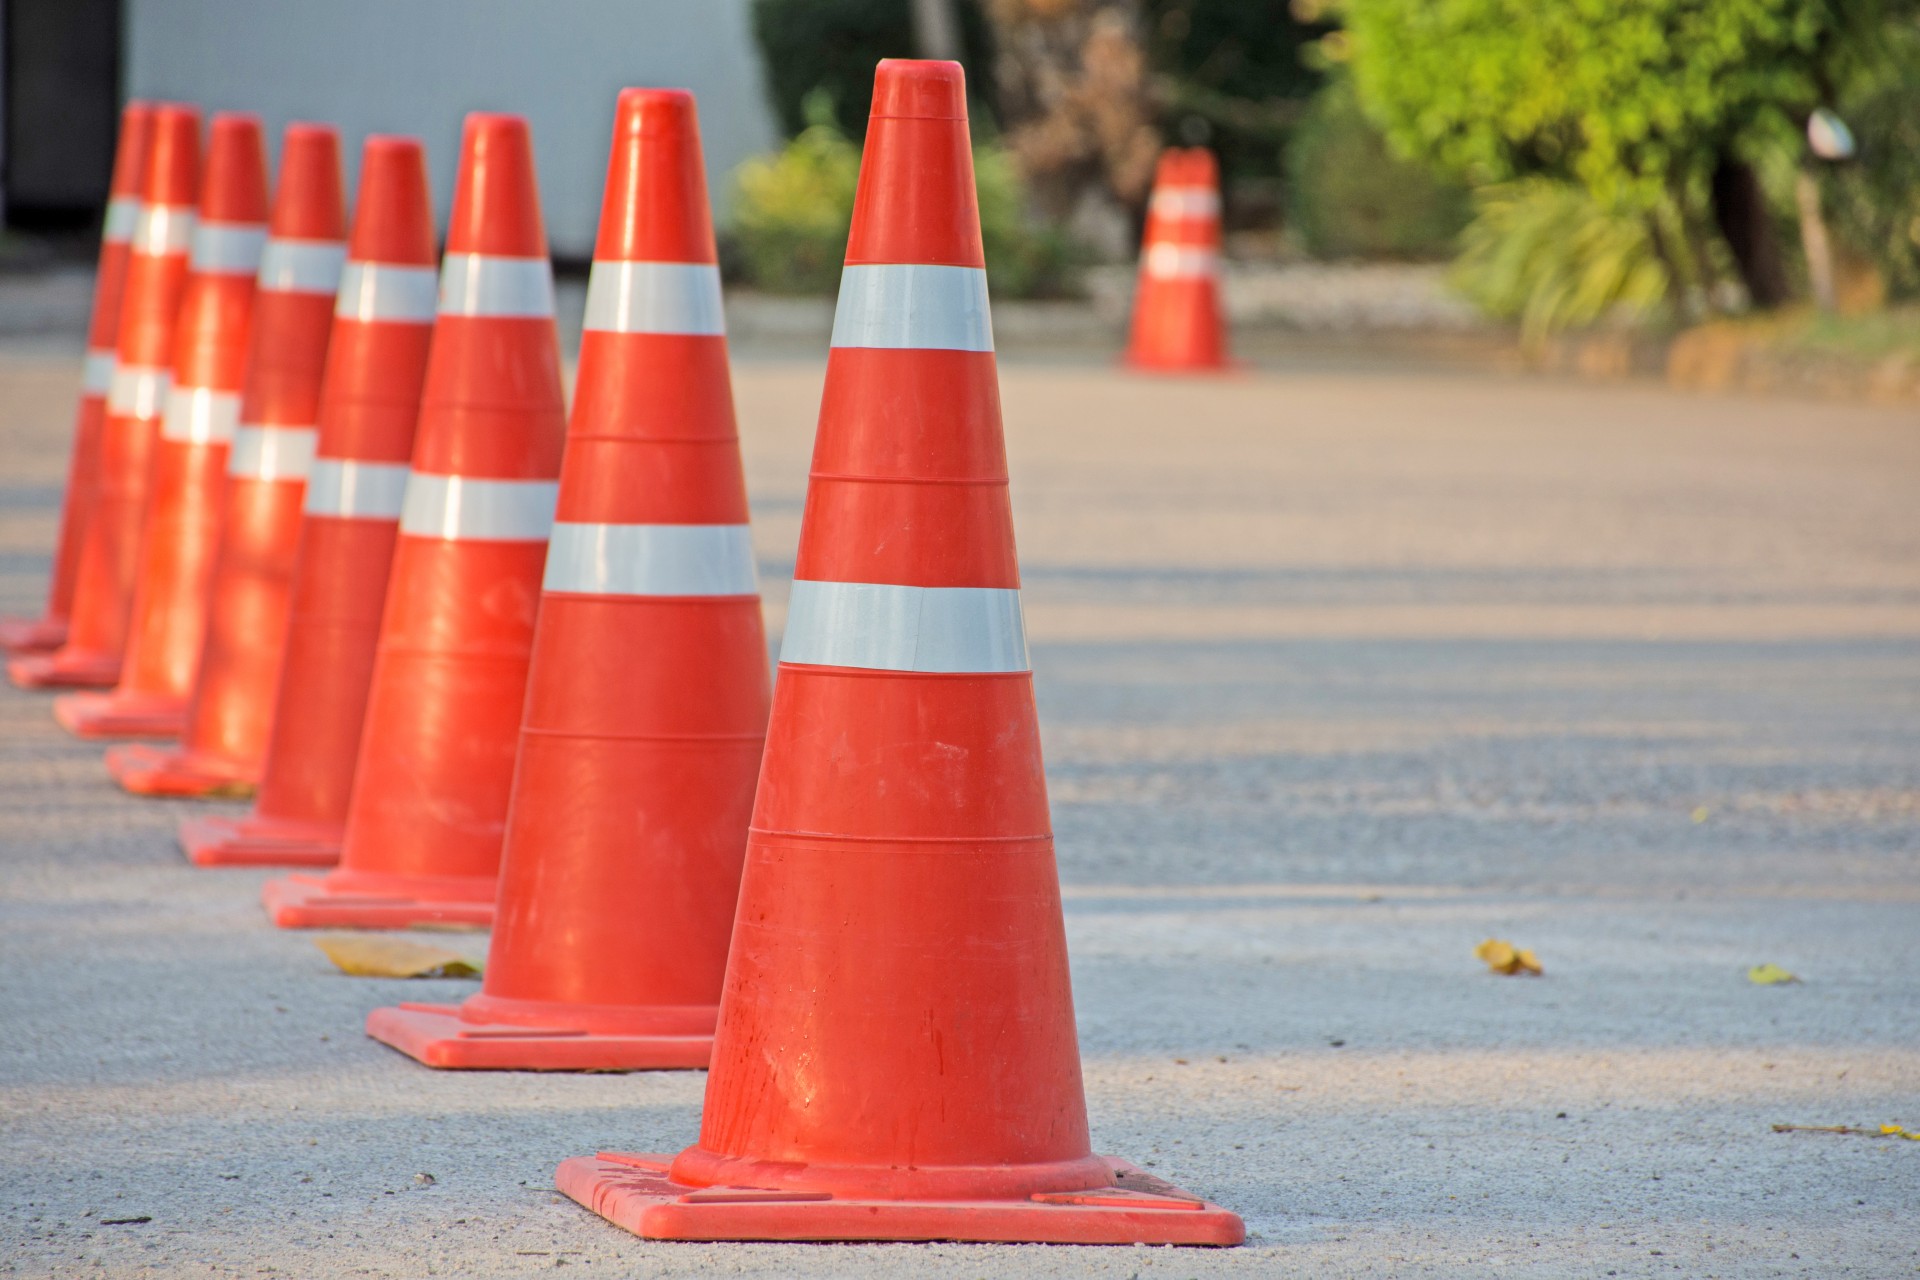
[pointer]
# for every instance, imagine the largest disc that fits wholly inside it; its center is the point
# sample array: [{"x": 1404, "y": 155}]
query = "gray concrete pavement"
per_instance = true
[{"x": 1339, "y": 673}]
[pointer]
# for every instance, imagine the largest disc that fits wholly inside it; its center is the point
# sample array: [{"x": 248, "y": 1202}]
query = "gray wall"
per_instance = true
[{"x": 418, "y": 66}]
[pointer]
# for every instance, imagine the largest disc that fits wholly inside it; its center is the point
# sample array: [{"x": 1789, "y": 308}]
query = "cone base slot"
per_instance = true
[
  {"x": 65, "y": 669},
  {"x": 436, "y": 1034},
  {"x": 121, "y": 715},
  {"x": 634, "y": 1192},
  {"x": 259, "y": 842},
  {"x": 186, "y": 774},
  {"x": 24, "y": 636},
  {"x": 317, "y": 902}
]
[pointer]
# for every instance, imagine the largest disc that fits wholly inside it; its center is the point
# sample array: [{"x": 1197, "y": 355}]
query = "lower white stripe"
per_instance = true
[
  {"x": 895, "y": 628},
  {"x": 135, "y": 392},
  {"x": 302, "y": 266},
  {"x": 1181, "y": 262},
  {"x": 458, "y": 507},
  {"x": 96, "y": 375},
  {"x": 272, "y": 453},
  {"x": 348, "y": 489},
  {"x": 200, "y": 415},
  {"x": 383, "y": 291},
  {"x": 1186, "y": 202},
  {"x": 123, "y": 214},
  {"x": 655, "y": 297},
  {"x": 652, "y": 560},
  {"x": 913, "y": 305},
  {"x": 229, "y": 248},
  {"x": 478, "y": 284},
  {"x": 163, "y": 229}
]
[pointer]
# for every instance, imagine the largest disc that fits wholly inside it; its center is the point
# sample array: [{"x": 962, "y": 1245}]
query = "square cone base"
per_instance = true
[
  {"x": 259, "y": 842},
  {"x": 633, "y": 1191},
  {"x": 311, "y": 902},
  {"x": 31, "y": 635},
  {"x": 154, "y": 771},
  {"x": 64, "y": 669},
  {"x": 437, "y": 1035},
  {"x": 121, "y": 715}
]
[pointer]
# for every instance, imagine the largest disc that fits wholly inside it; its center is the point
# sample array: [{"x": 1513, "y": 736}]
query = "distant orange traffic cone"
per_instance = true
[
  {"x": 49, "y": 630},
  {"x": 1178, "y": 324},
  {"x": 225, "y": 739},
  {"x": 189, "y": 471},
  {"x": 647, "y": 698},
  {"x": 895, "y": 1057},
  {"x": 430, "y": 788},
  {"x": 156, "y": 276},
  {"x": 369, "y": 402}
]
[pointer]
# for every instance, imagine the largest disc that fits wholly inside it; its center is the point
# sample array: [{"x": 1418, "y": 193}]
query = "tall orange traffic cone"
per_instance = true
[
  {"x": 430, "y": 787},
  {"x": 49, "y": 630},
  {"x": 647, "y": 697},
  {"x": 189, "y": 470},
  {"x": 143, "y": 368},
  {"x": 1177, "y": 320},
  {"x": 225, "y": 738},
  {"x": 369, "y": 401},
  {"x": 895, "y": 1057}
]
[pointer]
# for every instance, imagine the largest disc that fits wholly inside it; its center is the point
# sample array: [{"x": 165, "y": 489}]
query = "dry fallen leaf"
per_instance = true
[
  {"x": 1702, "y": 814},
  {"x": 1504, "y": 958},
  {"x": 375, "y": 957},
  {"x": 1770, "y": 975}
]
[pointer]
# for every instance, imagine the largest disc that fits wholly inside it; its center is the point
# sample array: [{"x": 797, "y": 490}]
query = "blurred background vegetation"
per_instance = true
[{"x": 1615, "y": 163}]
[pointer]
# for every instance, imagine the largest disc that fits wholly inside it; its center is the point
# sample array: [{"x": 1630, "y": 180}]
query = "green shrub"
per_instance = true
[{"x": 1352, "y": 197}]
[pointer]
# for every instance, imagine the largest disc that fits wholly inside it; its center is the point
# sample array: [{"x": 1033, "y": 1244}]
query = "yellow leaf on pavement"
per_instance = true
[
  {"x": 366, "y": 956},
  {"x": 1503, "y": 957},
  {"x": 1770, "y": 975},
  {"x": 1896, "y": 1131}
]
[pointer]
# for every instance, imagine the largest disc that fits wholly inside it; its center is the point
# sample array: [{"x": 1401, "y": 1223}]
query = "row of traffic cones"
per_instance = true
[{"x": 556, "y": 724}]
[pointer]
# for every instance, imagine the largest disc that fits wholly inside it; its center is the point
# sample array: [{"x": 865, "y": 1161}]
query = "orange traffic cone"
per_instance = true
[
  {"x": 647, "y": 698},
  {"x": 1177, "y": 321},
  {"x": 225, "y": 739},
  {"x": 895, "y": 1057},
  {"x": 143, "y": 369},
  {"x": 189, "y": 472},
  {"x": 430, "y": 787},
  {"x": 49, "y": 630},
  {"x": 369, "y": 401}
]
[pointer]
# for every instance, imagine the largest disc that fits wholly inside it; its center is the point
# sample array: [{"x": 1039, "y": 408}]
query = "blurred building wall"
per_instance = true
[{"x": 418, "y": 66}]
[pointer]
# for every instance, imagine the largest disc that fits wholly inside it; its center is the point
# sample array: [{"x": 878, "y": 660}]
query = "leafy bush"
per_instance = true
[
  {"x": 1546, "y": 254},
  {"x": 1873, "y": 202},
  {"x": 1352, "y": 197}
]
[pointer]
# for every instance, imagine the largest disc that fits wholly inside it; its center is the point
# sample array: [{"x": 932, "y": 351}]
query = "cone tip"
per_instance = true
[
  {"x": 130, "y": 155},
  {"x": 496, "y": 204},
  {"x": 919, "y": 89},
  {"x": 308, "y": 204},
  {"x": 392, "y": 222},
  {"x": 173, "y": 156},
  {"x": 235, "y": 185}
]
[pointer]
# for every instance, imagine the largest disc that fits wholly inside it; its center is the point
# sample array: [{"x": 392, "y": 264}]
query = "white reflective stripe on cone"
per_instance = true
[
  {"x": 913, "y": 305},
  {"x": 459, "y": 508},
  {"x": 96, "y": 375},
  {"x": 383, "y": 291},
  {"x": 123, "y": 214},
  {"x": 1186, "y": 202},
  {"x": 353, "y": 490},
  {"x": 163, "y": 229},
  {"x": 200, "y": 415},
  {"x": 272, "y": 453},
  {"x": 895, "y": 628},
  {"x": 137, "y": 392},
  {"x": 478, "y": 284},
  {"x": 655, "y": 297},
  {"x": 652, "y": 560},
  {"x": 229, "y": 248},
  {"x": 302, "y": 266},
  {"x": 1181, "y": 262}
]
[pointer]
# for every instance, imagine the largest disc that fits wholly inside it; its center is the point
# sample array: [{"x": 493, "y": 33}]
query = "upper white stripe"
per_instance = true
[
  {"x": 1186, "y": 202},
  {"x": 123, "y": 213},
  {"x": 655, "y": 297},
  {"x": 1181, "y": 262},
  {"x": 383, "y": 291},
  {"x": 302, "y": 266},
  {"x": 162, "y": 229},
  {"x": 894, "y": 628},
  {"x": 272, "y": 453},
  {"x": 913, "y": 305},
  {"x": 96, "y": 375},
  {"x": 200, "y": 415},
  {"x": 458, "y": 507},
  {"x": 652, "y": 560},
  {"x": 349, "y": 489},
  {"x": 230, "y": 248},
  {"x": 136, "y": 392},
  {"x": 477, "y": 284}
]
